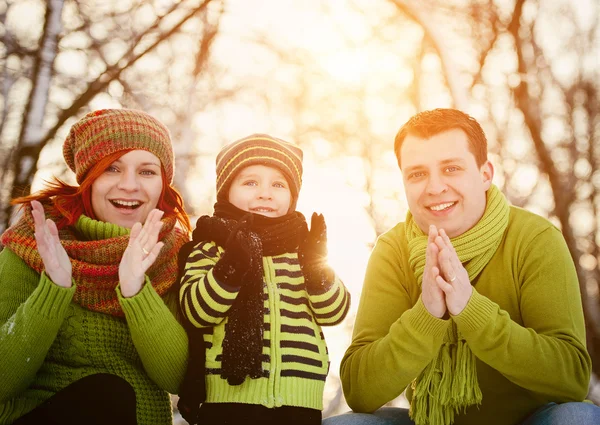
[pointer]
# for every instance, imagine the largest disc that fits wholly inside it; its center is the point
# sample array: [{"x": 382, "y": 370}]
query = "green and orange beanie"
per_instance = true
[{"x": 106, "y": 131}]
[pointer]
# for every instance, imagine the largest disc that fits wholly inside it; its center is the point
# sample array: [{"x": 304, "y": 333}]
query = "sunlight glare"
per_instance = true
[{"x": 347, "y": 66}]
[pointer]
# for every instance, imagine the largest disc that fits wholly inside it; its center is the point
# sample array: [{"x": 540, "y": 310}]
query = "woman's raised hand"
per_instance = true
[
  {"x": 57, "y": 263},
  {"x": 141, "y": 252}
]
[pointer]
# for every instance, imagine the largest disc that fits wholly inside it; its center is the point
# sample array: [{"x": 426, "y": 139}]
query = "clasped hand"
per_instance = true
[
  {"x": 141, "y": 252},
  {"x": 446, "y": 286}
]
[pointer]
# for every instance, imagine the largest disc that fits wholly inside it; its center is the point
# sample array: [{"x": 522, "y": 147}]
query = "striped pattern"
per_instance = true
[
  {"x": 104, "y": 132},
  {"x": 259, "y": 149},
  {"x": 295, "y": 356}
]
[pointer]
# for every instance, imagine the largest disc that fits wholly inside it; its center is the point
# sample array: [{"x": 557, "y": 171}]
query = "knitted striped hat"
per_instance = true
[
  {"x": 264, "y": 150},
  {"x": 107, "y": 131}
]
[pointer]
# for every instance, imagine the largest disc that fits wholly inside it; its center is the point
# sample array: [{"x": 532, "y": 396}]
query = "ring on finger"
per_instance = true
[
  {"x": 453, "y": 279},
  {"x": 145, "y": 251}
]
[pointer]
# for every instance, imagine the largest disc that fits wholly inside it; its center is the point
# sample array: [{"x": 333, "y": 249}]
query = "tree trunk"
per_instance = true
[{"x": 25, "y": 156}]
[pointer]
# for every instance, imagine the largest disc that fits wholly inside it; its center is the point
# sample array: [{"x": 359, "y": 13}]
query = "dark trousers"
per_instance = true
[
  {"x": 255, "y": 414},
  {"x": 94, "y": 400}
]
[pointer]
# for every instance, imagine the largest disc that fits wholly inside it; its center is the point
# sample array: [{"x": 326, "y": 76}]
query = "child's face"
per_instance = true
[{"x": 261, "y": 190}]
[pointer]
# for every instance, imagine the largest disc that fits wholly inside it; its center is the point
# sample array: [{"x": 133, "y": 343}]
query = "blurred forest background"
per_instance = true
[{"x": 337, "y": 77}]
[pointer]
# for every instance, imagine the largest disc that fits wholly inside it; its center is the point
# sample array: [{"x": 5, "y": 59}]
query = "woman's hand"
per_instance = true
[
  {"x": 141, "y": 252},
  {"x": 57, "y": 263}
]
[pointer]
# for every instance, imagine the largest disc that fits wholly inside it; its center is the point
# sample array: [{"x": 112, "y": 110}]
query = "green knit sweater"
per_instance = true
[
  {"x": 295, "y": 358},
  {"x": 524, "y": 323},
  {"x": 47, "y": 342}
]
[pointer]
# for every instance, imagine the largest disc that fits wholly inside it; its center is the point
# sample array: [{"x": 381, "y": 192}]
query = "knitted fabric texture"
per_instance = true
[
  {"x": 101, "y": 133},
  {"x": 95, "y": 263},
  {"x": 242, "y": 345},
  {"x": 264, "y": 150},
  {"x": 449, "y": 383}
]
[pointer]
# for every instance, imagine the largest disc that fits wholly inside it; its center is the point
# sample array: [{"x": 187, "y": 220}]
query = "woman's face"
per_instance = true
[{"x": 128, "y": 189}]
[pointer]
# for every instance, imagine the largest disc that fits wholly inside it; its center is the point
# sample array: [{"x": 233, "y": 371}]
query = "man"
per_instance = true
[{"x": 472, "y": 304}]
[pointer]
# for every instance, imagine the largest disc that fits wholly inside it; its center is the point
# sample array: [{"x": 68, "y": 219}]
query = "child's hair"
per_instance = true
[{"x": 259, "y": 149}]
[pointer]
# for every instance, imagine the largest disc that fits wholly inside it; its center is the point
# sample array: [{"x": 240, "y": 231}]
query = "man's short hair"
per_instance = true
[{"x": 427, "y": 124}]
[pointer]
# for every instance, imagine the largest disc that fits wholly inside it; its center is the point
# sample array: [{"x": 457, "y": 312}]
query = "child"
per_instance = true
[{"x": 255, "y": 290}]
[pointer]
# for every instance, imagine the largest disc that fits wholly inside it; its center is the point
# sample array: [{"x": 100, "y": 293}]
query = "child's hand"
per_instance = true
[
  {"x": 242, "y": 249},
  {"x": 312, "y": 255}
]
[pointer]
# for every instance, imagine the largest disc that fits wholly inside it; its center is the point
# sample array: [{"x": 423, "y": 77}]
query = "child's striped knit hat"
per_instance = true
[
  {"x": 107, "y": 131},
  {"x": 264, "y": 150}
]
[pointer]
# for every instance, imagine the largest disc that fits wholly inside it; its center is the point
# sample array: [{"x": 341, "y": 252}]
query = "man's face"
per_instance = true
[{"x": 443, "y": 184}]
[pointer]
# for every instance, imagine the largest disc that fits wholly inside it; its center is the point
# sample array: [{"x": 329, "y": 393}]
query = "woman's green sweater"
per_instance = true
[{"x": 47, "y": 342}]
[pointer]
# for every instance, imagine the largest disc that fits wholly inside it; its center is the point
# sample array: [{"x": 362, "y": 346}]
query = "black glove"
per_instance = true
[
  {"x": 242, "y": 249},
  {"x": 312, "y": 254}
]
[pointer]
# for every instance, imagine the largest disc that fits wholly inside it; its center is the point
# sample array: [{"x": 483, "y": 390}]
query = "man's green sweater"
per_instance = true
[
  {"x": 47, "y": 341},
  {"x": 524, "y": 323}
]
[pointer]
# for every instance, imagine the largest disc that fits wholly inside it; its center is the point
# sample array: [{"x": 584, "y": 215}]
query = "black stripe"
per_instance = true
[
  {"x": 204, "y": 306},
  {"x": 299, "y": 359},
  {"x": 345, "y": 304},
  {"x": 187, "y": 277},
  {"x": 204, "y": 268},
  {"x": 217, "y": 371},
  {"x": 286, "y": 260},
  {"x": 229, "y": 288},
  {"x": 200, "y": 252},
  {"x": 300, "y": 345},
  {"x": 289, "y": 273},
  {"x": 196, "y": 256},
  {"x": 266, "y": 326},
  {"x": 291, "y": 286},
  {"x": 295, "y": 314},
  {"x": 265, "y": 358},
  {"x": 292, "y": 300},
  {"x": 213, "y": 251},
  {"x": 327, "y": 302},
  {"x": 302, "y": 374},
  {"x": 216, "y": 297},
  {"x": 187, "y": 294},
  {"x": 297, "y": 330}
]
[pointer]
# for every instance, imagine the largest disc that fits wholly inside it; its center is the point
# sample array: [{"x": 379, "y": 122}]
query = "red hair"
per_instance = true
[{"x": 72, "y": 201}]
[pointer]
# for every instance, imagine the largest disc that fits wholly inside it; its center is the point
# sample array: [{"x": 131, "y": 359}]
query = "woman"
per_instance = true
[{"x": 87, "y": 296}]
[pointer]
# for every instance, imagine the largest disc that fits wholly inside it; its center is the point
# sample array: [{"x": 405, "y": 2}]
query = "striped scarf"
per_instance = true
[
  {"x": 95, "y": 249},
  {"x": 448, "y": 384}
]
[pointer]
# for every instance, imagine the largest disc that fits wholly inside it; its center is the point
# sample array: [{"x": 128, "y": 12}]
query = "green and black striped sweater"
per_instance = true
[{"x": 295, "y": 359}]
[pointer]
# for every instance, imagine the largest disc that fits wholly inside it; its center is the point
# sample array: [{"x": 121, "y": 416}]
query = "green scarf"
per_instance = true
[{"x": 448, "y": 384}]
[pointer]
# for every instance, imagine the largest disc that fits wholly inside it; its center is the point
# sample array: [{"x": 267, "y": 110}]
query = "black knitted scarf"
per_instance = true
[{"x": 243, "y": 342}]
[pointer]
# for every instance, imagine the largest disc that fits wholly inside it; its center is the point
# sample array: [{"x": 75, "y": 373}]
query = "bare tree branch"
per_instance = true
[{"x": 416, "y": 11}]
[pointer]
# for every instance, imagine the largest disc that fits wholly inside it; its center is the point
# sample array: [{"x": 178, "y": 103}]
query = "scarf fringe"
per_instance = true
[
  {"x": 449, "y": 385},
  {"x": 446, "y": 387}
]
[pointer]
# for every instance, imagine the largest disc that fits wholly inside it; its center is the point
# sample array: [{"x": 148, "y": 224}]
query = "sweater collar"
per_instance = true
[{"x": 94, "y": 230}]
